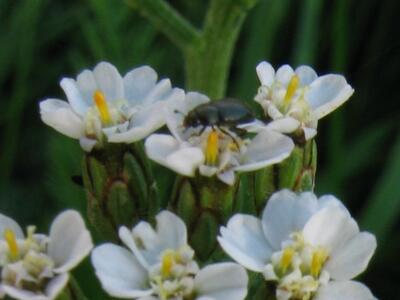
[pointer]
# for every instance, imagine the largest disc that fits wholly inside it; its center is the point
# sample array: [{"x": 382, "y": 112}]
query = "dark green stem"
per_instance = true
[
  {"x": 208, "y": 54},
  {"x": 208, "y": 61}
]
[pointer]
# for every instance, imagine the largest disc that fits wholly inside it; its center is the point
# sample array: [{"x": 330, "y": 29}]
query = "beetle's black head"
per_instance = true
[{"x": 191, "y": 119}]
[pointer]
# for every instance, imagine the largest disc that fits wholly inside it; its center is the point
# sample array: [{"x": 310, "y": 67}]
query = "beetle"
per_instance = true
[{"x": 227, "y": 112}]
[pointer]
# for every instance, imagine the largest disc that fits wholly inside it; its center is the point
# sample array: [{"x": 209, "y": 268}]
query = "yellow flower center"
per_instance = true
[
  {"x": 318, "y": 259},
  {"x": 291, "y": 89},
  {"x": 9, "y": 236},
  {"x": 167, "y": 263},
  {"x": 212, "y": 148},
  {"x": 286, "y": 259},
  {"x": 102, "y": 107}
]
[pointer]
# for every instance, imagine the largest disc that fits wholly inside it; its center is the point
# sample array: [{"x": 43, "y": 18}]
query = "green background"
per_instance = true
[{"x": 359, "y": 145}]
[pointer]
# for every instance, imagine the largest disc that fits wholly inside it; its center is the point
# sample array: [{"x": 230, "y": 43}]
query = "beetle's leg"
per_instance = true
[
  {"x": 230, "y": 135},
  {"x": 239, "y": 131}
]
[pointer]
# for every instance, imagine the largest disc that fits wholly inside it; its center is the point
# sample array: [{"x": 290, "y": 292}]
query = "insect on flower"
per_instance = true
[{"x": 227, "y": 112}]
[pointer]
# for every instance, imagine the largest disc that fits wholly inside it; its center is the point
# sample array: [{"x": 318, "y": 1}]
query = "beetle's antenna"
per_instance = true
[{"x": 179, "y": 112}]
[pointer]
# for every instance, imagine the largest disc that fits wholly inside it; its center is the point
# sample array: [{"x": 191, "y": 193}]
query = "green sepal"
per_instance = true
[
  {"x": 296, "y": 173},
  {"x": 204, "y": 204},
  {"x": 120, "y": 188},
  {"x": 94, "y": 178}
]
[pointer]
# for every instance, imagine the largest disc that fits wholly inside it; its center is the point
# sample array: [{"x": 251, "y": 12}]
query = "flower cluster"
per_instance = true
[
  {"x": 105, "y": 108},
  {"x": 310, "y": 248},
  {"x": 160, "y": 265},
  {"x": 305, "y": 247},
  {"x": 36, "y": 266},
  {"x": 297, "y": 99}
]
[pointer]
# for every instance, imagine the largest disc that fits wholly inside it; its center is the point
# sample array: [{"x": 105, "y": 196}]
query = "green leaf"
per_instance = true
[{"x": 383, "y": 206}]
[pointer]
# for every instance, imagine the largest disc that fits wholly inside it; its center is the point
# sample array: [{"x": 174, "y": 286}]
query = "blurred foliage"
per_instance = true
[{"x": 359, "y": 145}]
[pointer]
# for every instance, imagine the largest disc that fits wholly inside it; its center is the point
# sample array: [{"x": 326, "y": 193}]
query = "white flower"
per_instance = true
[
  {"x": 213, "y": 150},
  {"x": 36, "y": 267},
  {"x": 104, "y": 107},
  {"x": 311, "y": 248},
  {"x": 159, "y": 265},
  {"x": 298, "y": 99}
]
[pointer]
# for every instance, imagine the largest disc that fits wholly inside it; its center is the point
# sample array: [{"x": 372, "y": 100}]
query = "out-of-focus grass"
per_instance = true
[{"x": 42, "y": 41}]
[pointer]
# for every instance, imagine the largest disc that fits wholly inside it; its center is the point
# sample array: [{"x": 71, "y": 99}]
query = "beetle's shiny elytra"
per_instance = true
[{"x": 226, "y": 112}]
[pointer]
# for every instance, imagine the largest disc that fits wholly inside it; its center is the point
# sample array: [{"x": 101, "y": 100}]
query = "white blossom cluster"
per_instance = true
[{"x": 308, "y": 247}]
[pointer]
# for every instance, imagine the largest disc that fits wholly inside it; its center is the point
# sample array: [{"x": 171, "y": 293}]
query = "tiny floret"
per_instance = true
[
  {"x": 214, "y": 147},
  {"x": 104, "y": 107},
  {"x": 160, "y": 265},
  {"x": 36, "y": 266},
  {"x": 309, "y": 248},
  {"x": 296, "y": 99}
]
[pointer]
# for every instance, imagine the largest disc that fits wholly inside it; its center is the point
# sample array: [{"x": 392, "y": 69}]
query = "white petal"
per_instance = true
[
  {"x": 87, "y": 86},
  {"x": 138, "y": 83},
  {"x": 70, "y": 241},
  {"x": 243, "y": 239},
  {"x": 109, "y": 81},
  {"x": 351, "y": 259},
  {"x": 166, "y": 150},
  {"x": 309, "y": 133},
  {"x": 227, "y": 177},
  {"x": 331, "y": 201},
  {"x": 179, "y": 108},
  {"x": 306, "y": 75},
  {"x": 8, "y": 223},
  {"x": 222, "y": 281},
  {"x": 327, "y": 93},
  {"x": 56, "y": 285},
  {"x": 146, "y": 257},
  {"x": 162, "y": 90},
  {"x": 331, "y": 227},
  {"x": 265, "y": 73},
  {"x": 146, "y": 120},
  {"x": 170, "y": 233},
  {"x": 285, "y": 213},
  {"x": 344, "y": 290},
  {"x": 171, "y": 230},
  {"x": 119, "y": 272},
  {"x": 284, "y": 74},
  {"x": 273, "y": 111},
  {"x": 284, "y": 125},
  {"x": 59, "y": 115},
  {"x": 266, "y": 148},
  {"x": 87, "y": 144},
  {"x": 74, "y": 96}
]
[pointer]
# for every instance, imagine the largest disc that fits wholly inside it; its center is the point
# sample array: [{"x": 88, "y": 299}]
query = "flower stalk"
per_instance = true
[
  {"x": 204, "y": 203},
  {"x": 120, "y": 188},
  {"x": 208, "y": 53}
]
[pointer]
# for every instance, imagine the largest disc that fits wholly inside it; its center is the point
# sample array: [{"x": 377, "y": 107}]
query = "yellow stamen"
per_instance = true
[
  {"x": 291, "y": 89},
  {"x": 101, "y": 104},
  {"x": 286, "y": 258},
  {"x": 318, "y": 259},
  {"x": 9, "y": 236},
  {"x": 212, "y": 148},
  {"x": 167, "y": 263}
]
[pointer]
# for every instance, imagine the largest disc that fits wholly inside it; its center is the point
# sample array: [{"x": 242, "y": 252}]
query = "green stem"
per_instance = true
[
  {"x": 167, "y": 20},
  {"x": 208, "y": 61},
  {"x": 207, "y": 54}
]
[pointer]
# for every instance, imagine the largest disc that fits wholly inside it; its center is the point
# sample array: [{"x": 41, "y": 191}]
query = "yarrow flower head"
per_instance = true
[
  {"x": 213, "y": 150},
  {"x": 36, "y": 266},
  {"x": 297, "y": 99},
  {"x": 160, "y": 265},
  {"x": 310, "y": 248},
  {"x": 104, "y": 107}
]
